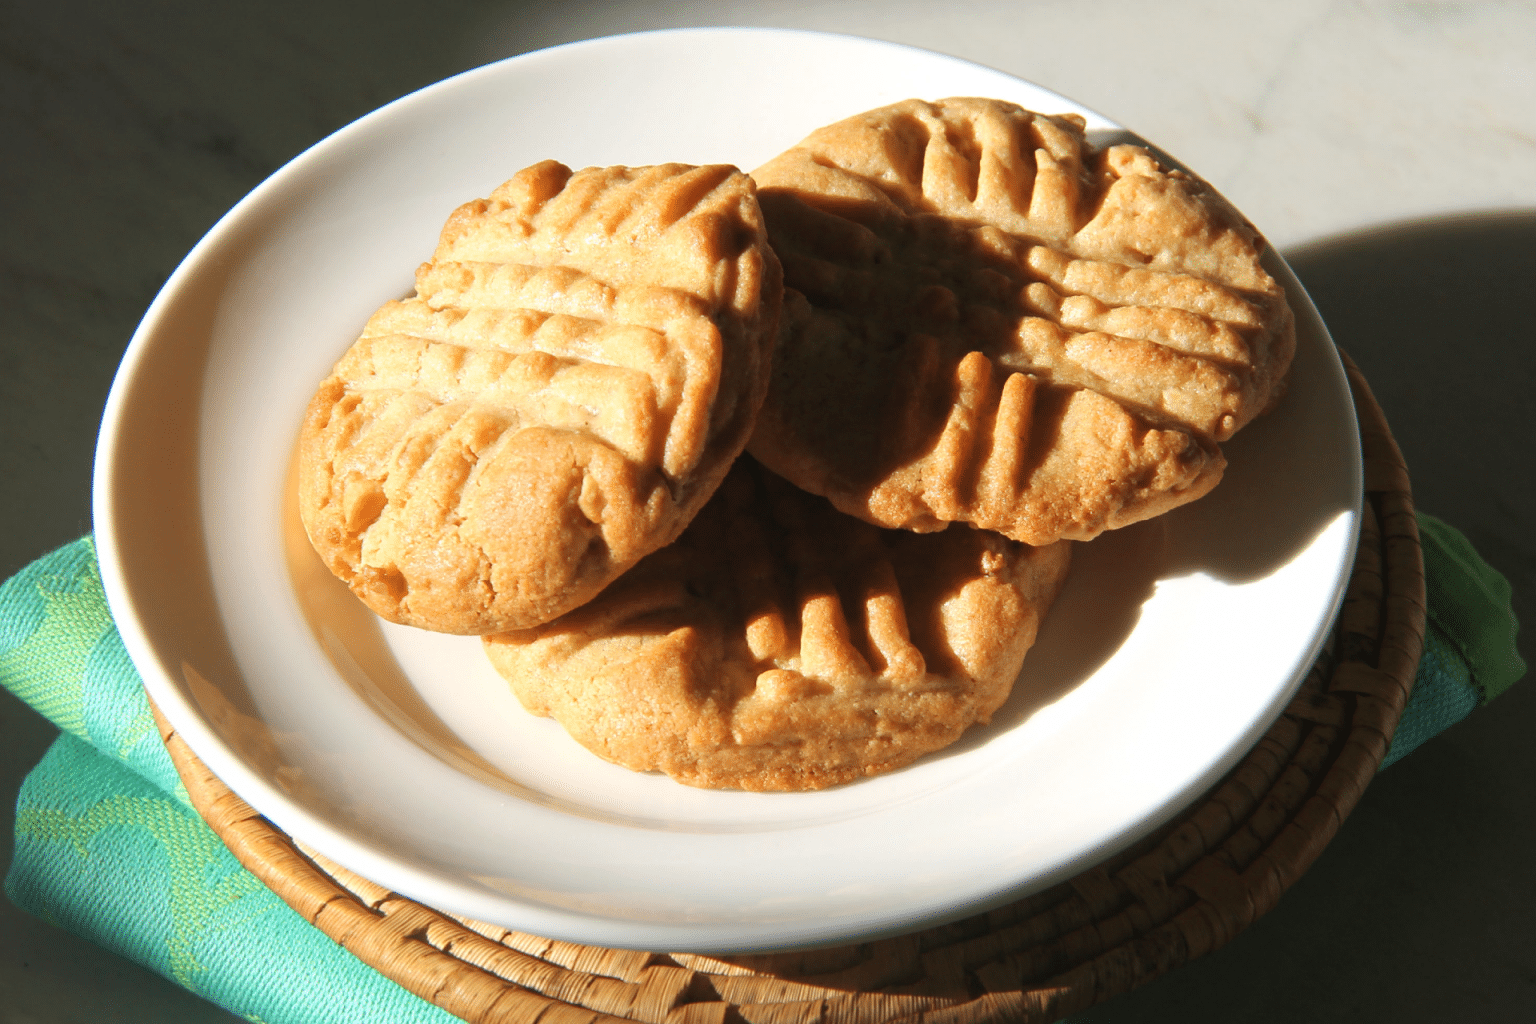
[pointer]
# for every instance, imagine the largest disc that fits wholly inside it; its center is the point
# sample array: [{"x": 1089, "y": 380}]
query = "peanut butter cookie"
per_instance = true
[
  {"x": 989, "y": 320},
  {"x": 581, "y": 362},
  {"x": 782, "y": 645}
]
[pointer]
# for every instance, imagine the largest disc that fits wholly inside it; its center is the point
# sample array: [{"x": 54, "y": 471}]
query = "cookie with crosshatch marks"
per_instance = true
[
  {"x": 989, "y": 320},
  {"x": 782, "y": 645},
  {"x": 580, "y": 363}
]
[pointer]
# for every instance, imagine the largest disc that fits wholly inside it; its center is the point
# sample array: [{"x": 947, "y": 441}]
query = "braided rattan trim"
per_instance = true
[{"x": 1176, "y": 895}]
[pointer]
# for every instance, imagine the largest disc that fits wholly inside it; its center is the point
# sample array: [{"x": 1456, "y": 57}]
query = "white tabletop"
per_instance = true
[{"x": 1346, "y": 131}]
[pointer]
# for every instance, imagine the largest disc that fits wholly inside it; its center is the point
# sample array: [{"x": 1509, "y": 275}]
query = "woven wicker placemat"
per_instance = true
[{"x": 1176, "y": 895}]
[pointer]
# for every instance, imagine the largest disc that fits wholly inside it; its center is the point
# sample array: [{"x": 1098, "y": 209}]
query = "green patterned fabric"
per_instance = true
[
  {"x": 1469, "y": 655},
  {"x": 108, "y": 846},
  {"x": 1469, "y": 605},
  {"x": 60, "y": 652}
]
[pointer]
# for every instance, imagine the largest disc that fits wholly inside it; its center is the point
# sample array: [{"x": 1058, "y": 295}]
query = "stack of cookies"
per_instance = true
[{"x": 766, "y": 482}]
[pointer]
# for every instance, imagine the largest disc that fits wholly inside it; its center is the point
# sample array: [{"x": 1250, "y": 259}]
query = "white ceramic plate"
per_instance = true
[{"x": 400, "y": 754}]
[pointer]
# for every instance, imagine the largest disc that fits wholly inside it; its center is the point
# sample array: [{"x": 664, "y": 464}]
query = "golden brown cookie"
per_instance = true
[
  {"x": 581, "y": 362},
  {"x": 782, "y": 645},
  {"x": 989, "y": 320}
]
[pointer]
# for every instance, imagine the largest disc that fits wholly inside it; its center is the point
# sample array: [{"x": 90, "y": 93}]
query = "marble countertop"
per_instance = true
[{"x": 1388, "y": 149}]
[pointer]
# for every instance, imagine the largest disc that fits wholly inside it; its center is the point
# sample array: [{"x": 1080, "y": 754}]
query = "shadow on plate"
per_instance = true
[
  {"x": 1099, "y": 606},
  {"x": 351, "y": 637}
]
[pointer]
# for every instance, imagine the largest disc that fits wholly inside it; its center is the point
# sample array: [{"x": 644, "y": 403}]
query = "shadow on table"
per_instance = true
[{"x": 1441, "y": 317}]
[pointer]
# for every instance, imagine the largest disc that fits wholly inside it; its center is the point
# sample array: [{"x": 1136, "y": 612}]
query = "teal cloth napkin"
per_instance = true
[{"x": 108, "y": 846}]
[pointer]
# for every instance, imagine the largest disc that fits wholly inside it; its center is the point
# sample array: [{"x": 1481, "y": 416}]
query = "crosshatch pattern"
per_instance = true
[
  {"x": 1053, "y": 338},
  {"x": 581, "y": 361},
  {"x": 780, "y": 644}
]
